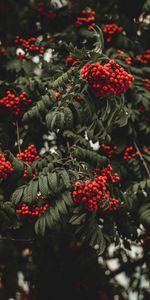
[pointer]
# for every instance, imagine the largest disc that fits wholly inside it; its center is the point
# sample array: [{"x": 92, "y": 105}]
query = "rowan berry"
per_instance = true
[
  {"x": 87, "y": 18},
  {"x": 107, "y": 82},
  {"x": 29, "y": 155},
  {"x": 25, "y": 210},
  {"x": 95, "y": 194},
  {"x": 71, "y": 60},
  {"x": 29, "y": 46},
  {"x": 147, "y": 83},
  {"x": 5, "y": 167},
  {"x": 15, "y": 103},
  {"x": 144, "y": 58},
  {"x": 110, "y": 30}
]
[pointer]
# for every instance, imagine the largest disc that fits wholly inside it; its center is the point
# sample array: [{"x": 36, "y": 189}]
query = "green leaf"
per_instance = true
[
  {"x": 33, "y": 189},
  {"x": 65, "y": 178},
  {"x": 61, "y": 206},
  {"x": 135, "y": 187},
  {"x": 40, "y": 226},
  {"x": 142, "y": 184},
  {"x": 43, "y": 185},
  {"x": 14, "y": 65},
  {"x": 68, "y": 118},
  {"x": 26, "y": 195},
  {"x": 143, "y": 208},
  {"x": 148, "y": 183},
  {"x": 17, "y": 195},
  {"x": 52, "y": 181},
  {"x": 67, "y": 197},
  {"x": 145, "y": 217},
  {"x": 101, "y": 241},
  {"x": 77, "y": 219}
]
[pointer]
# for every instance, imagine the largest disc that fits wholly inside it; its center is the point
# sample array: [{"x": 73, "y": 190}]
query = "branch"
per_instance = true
[
  {"x": 15, "y": 240},
  {"x": 18, "y": 136},
  {"x": 142, "y": 159}
]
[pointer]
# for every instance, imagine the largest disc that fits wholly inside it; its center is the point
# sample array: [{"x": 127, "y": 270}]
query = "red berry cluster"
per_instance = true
[
  {"x": 36, "y": 211},
  {"x": 110, "y": 30},
  {"x": 42, "y": 10},
  {"x": 129, "y": 153},
  {"x": 108, "y": 149},
  {"x": 29, "y": 155},
  {"x": 112, "y": 177},
  {"x": 113, "y": 204},
  {"x": 15, "y": 103},
  {"x": 144, "y": 58},
  {"x": 95, "y": 194},
  {"x": 121, "y": 56},
  {"x": 110, "y": 79},
  {"x": 147, "y": 84},
  {"x": 88, "y": 18},
  {"x": 5, "y": 167},
  {"x": 22, "y": 56},
  {"x": 71, "y": 61},
  {"x": 25, "y": 172},
  {"x": 29, "y": 45}
]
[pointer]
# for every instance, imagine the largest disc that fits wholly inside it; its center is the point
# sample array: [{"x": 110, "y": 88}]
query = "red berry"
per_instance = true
[
  {"x": 105, "y": 84},
  {"x": 29, "y": 155},
  {"x": 5, "y": 167}
]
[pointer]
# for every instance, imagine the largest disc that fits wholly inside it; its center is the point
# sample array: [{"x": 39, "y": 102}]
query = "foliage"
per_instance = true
[{"x": 76, "y": 131}]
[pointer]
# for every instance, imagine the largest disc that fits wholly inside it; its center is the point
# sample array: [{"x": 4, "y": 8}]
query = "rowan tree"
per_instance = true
[{"x": 74, "y": 147}]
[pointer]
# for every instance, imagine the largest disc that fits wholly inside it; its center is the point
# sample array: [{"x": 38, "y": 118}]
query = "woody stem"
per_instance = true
[
  {"x": 142, "y": 159},
  {"x": 18, "y": 136}
]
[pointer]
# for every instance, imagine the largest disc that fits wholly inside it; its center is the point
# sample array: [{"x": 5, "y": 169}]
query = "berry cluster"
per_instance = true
[
  {"x": 110, "y": 79},
  {"x": 42, "y": 10},
  {"x": 25, "y": 172},
  {"x": 15, "y": 103},
  {"x": 22, "y": 56},
  {"x": 147, "y": 84},
  {"x": 112, "y": 177},
  {"x": 108, "y": 149},
  {"x": 5, "y": 167},
  {"x": 88, "y": 18},
  {"x": 144, "y": 58},
  {"x": 36, "y": 211},
  {"x": 129, "y": 153},
  {"x": 110, "y": 30},
  {"x": 29, "y": 45},
  {"x": 122, "y": 56},
  {"x": 71, "y": 61},
  {"x": 29, "y": 155},
  {"x": 95, "y": 194}
]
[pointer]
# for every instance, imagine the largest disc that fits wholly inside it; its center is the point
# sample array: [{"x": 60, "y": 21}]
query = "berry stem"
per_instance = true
[
  {"x": 16, "y": 239},
  {"x": 142, "y": 159},
  {"x": 18, "y": 136}
]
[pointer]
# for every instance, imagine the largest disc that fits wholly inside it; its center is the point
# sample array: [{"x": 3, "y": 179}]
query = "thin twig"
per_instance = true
[
  {"x": 18, "y": 136},
  {"x": 142, "y": 159},
  {"x": 68, "y": 147},
  {"x": 16, "y": 240}
]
